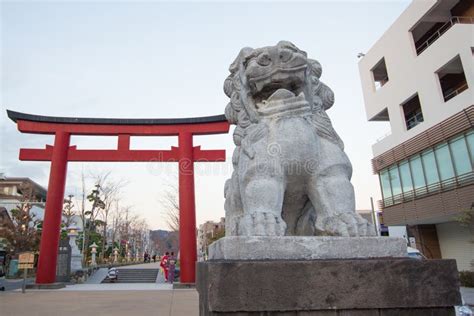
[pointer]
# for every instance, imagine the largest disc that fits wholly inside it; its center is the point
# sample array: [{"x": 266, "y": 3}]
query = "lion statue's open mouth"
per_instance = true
[{"x": 276, "y": 73}]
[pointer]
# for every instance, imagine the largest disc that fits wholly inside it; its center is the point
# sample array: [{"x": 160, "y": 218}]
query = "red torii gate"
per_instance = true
[{"x": 61, "y": 152}]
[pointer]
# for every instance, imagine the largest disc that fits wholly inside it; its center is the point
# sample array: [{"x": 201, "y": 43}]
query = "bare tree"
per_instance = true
[
  {"x": 83, "y": 213},
  {"x": 129, "y": 230},
  {"x": 170, "y": 203},
  {"x": 116, "y": 221},
  {"x": 139, "y": 233},
  {"x": 110, "y": 195},
  {"x": 125, "y": 225}
]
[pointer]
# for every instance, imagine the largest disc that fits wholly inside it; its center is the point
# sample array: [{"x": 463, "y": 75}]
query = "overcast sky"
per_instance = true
[{"x": 156, "y": 59}]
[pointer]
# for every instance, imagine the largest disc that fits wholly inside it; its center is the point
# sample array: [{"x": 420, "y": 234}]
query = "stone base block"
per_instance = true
[
  {"x": 49, "y": 286},
  {"x": 382, "y": 287},
  {"x": 305, "y": 248},
  {"x": 183, "y": 286}
]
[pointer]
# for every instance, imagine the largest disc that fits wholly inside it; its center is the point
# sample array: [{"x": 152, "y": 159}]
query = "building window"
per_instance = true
[
  {"x": 445, "y": 165},
  {"x": 461, "y": 159},
  {"x": 429, "y": 166},
  {"x": 379, "y": 73},
  {"x": 449, "y": 164},
  {"x": 405, "y": 175},
  {"x": 470, "y": 144},
  {"x": 412, "y": 112},
  {"x": 385, "y": 182},
  {"x": 417, "y": 173},
  {"x": 452, "y": 79},
  {"x": 395, "y": 183}
]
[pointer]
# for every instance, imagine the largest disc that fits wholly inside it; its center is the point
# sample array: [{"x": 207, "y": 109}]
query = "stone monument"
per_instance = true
[
  {"x": 294, "y": 243},
  {"x": 76, "y": 257}
]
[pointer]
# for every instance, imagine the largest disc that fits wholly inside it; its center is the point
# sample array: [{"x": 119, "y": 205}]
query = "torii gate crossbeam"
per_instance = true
[{"x": 60, "y": 153}]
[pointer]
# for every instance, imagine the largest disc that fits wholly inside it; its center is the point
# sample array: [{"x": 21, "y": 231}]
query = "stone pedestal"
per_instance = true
[
  {"x": 382, "y": 286},
  {"x": 76, "y": 257},
  {"x": 47, "y": 286},
  {"x": 305, "y": 248}
]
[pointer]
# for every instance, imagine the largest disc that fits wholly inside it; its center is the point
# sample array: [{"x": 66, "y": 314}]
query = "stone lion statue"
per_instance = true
[{"x": 291, "y": 175}]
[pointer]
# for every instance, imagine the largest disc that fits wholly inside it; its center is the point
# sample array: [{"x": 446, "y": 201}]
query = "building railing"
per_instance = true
[
  {"x": 414, "y": 119},
  {"x": 434, "y": 188},
  {"x": 455, "y": 92},
  {"x": 442, "y": 29}
]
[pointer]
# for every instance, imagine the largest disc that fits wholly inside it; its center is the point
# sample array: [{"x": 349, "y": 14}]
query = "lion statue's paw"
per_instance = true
[
  {"x": 262, "y": 224},
  {"x": 348, "y": 224}
]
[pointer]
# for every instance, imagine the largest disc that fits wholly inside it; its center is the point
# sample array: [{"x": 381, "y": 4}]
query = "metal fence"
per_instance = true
[{"x": 442, "y": 29}]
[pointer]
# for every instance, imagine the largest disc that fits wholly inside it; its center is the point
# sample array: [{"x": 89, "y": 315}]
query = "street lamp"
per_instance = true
[
  {"x": 73, "y": 231},
  {"x": 116, "y": 254},
  {"x": 93, "y": 252}
]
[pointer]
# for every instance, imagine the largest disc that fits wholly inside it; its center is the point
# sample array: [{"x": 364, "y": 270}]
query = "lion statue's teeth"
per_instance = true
[{"x": 281, "y": 94}]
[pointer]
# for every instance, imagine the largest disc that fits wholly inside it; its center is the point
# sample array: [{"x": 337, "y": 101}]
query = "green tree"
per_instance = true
[
  {"x": 91, "y": 221},
  {"x": 25, "y": 234},
  {"x": 466, "y": 219}
]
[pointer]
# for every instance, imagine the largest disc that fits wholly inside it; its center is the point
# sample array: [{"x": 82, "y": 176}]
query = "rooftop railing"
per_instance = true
[{"x": 442, "y": 29}]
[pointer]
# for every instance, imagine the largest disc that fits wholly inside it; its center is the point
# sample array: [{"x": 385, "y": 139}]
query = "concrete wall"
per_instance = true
[
  {"x": 410, "y": 74},
  {"x": 456, "y": 242},
  {"x": 398, "y": 231}
]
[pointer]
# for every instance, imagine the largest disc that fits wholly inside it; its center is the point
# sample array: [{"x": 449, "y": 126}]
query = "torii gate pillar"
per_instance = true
[
  {"x": 187, "y": 209},
  {"x": 53, "y": 210}
]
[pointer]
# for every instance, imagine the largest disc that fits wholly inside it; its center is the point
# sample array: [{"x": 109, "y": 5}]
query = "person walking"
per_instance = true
[
  {"x": 171, "y": 267},
  {"x": 164, "y": 265}
]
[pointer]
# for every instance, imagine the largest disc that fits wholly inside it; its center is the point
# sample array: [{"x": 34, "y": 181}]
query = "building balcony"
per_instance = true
[{"x": 438, "y": 30}]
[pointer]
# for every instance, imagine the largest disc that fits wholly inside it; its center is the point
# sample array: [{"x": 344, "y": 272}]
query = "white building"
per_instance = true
[
  {"x": 419, "y": 78},
  {"x": 206, "y": 234},
  {"x": 11, "y": 195}
]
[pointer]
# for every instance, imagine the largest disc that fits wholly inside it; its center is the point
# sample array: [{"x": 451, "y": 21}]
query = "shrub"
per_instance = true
[{"x": 467, "y": 278}]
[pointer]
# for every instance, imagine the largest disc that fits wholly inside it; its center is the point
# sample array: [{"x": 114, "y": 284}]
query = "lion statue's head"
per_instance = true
[{"x": 273, "y": 80}]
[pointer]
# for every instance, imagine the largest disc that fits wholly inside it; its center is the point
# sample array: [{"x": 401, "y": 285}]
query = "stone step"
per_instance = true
[{"x": 135, "y": 276}]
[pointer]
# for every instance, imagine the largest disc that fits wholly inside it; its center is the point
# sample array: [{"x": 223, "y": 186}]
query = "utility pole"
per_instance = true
[{"x": 374, "y": 216}]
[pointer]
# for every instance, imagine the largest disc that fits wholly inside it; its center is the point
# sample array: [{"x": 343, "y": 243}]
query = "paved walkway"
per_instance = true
[
  {"x": 118, "y": 287},
  {"x": 103, "y": 303}
]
